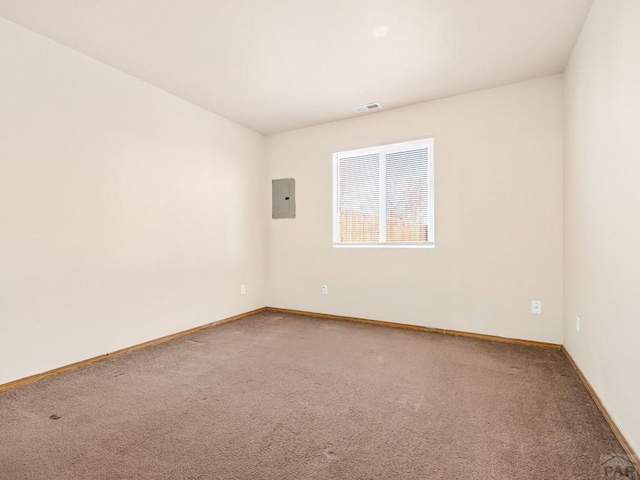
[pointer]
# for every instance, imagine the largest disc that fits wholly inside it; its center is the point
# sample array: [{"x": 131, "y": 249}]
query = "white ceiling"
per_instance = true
[{"x": 276, "y": 65}]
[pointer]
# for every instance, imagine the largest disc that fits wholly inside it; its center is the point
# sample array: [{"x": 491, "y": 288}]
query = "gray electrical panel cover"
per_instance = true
[{"x": 283, "y": 198}]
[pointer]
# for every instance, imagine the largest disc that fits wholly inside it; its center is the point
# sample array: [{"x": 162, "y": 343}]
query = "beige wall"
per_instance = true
[
  {"x": 601, "y": 218},
  {"x": 498, "y": 202},
  {"x": 125, "y": 213}
]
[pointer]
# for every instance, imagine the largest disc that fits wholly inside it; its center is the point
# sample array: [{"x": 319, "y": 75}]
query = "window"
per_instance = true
[{"x": 383, "y": 196}]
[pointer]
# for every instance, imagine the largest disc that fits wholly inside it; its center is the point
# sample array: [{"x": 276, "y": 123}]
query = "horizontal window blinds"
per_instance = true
[
  {"x": 384, "y": 195},
  {"x": 359, "y": 198},
  {"x": 407, "y": 191}
]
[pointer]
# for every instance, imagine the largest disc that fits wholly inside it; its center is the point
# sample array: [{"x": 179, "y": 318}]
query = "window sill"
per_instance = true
[{"x": 384, "y": 245}]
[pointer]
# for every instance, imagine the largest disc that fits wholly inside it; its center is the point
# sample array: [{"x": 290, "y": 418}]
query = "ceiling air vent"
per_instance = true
[{"x": 366, "y": 108}]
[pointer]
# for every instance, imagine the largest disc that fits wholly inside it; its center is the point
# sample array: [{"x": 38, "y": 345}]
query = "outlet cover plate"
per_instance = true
[{"x": 536, "y": 307}]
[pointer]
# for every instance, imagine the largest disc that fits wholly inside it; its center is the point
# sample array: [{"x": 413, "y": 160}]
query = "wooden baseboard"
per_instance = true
[
  {"x": 478, "y": 336},
  {"x": 633, "y": 456},
  {"x": 74, "y": 366}
]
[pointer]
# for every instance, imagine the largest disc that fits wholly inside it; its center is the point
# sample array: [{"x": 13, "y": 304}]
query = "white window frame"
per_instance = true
[{"x": 383, "y": 150}]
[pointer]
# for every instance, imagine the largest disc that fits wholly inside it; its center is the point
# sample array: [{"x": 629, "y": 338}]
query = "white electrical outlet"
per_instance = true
[
  {"x": 536, "y": 307},
  {"x": 243, "y": 289},
  {"x": 578, "y": 324},
  {"x": 325, "y": 289}
]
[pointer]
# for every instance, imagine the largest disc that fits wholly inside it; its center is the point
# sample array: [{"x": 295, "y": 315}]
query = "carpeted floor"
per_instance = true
[{"x": 285, "y": 397}]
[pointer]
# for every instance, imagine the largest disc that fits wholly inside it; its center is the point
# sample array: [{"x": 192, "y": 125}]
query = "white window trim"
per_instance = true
[{"x": 383, "y": 150}]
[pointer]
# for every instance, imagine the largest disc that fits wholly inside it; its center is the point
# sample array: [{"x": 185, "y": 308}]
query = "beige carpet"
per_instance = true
[{"x": 285, "y": 397}]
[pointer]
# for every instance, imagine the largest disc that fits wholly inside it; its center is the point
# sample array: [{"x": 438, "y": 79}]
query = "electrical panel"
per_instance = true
[{"x": 283, "y": 198}]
